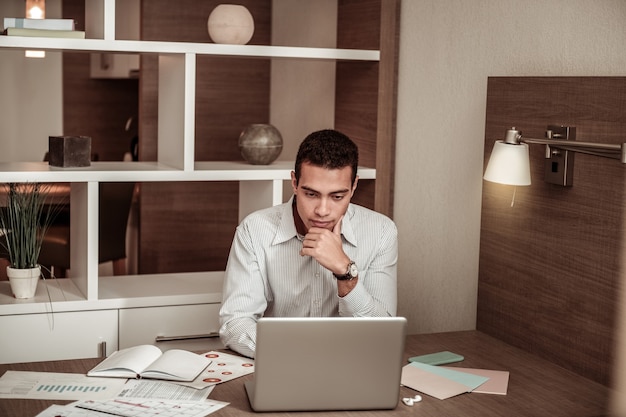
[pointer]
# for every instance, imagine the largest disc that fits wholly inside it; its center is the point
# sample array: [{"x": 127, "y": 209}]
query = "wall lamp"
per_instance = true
[{"x": 509, "y": 161}]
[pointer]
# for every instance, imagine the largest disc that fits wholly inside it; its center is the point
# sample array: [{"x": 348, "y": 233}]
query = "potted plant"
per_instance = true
[{"x": 24, "y": 219}]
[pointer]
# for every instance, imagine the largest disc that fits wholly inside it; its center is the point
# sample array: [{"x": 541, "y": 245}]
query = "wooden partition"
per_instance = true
[
  {"x": 189, "y": 227},
  {"x": 551, "y": 265}
]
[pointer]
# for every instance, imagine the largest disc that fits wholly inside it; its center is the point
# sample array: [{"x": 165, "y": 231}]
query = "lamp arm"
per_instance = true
[{"x": 607, "y": 150}]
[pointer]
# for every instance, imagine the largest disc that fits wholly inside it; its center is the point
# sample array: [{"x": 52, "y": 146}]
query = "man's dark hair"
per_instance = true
[{"x": 328, "y": 149}]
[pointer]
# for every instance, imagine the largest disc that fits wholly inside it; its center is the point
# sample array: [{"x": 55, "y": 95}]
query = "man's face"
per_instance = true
[{"x": 322, "y": 195}]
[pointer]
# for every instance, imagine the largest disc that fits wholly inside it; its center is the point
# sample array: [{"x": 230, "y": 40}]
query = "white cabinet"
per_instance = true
[
  {"x": 85, "y": 296},
  {"x": 54, "y": 335},
  {"x": 192, "y": 327}
]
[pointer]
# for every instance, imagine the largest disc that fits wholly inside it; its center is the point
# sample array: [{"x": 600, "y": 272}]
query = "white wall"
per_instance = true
[
  {"x": 29, "y": 83},
  {"x": 448, "y": 48}
]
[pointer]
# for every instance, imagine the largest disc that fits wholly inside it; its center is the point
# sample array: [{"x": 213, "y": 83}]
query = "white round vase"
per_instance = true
[
  {"x": 230, "y": 24},
  {"x": 23, "y": 281}
]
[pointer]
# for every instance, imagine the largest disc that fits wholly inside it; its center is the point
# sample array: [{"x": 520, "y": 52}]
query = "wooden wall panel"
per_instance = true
[
  {"x": 189, "y": 226},
  {"x": 550, "y": 266},
  {"x": 366, "y": 96},
  {"x": 198, "y": 218},
  {"x": 96, "y": 108}
]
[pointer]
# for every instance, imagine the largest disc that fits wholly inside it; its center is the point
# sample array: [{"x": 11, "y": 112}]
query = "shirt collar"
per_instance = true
[
  {"x": 287, "y": 228},
  {"x": 346, "y": 226}
]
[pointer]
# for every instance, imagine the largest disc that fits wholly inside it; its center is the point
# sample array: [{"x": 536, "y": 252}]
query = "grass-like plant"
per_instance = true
[{"x": 25, "y": 218}]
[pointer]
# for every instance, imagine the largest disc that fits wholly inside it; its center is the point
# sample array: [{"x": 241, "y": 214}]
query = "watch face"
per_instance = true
[{"x": 353, "y": 271}]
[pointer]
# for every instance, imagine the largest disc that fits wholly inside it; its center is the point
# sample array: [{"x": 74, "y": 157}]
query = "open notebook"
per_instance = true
[{"x": 337, "y": 363}]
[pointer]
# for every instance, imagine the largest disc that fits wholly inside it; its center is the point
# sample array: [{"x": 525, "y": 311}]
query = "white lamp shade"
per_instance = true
[{"x": 508, "y": 164}]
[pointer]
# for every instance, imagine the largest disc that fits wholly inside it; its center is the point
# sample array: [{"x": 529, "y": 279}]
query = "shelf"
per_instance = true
[
  {"x": 161, "y": 289},
  {"x": 86, "y": 294},
  {"x": 62, "y": 291},
  {"x": 115, "y": 292},
  {"x": 242, "y": 51},
  {"x": 153, "y": 172},
  {"x": 279, "y": 170}
]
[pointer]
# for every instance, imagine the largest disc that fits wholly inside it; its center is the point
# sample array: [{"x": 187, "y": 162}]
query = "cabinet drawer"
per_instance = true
[
  {"x": 54, "y": 336},
  {"x": 176, "y": 324}
]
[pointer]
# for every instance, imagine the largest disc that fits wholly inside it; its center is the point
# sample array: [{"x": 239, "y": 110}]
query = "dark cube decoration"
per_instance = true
[{"x": 69, "y": 151}]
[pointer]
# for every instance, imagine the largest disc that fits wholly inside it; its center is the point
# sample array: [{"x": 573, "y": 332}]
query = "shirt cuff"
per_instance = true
[{"x": 355, "y": 303}]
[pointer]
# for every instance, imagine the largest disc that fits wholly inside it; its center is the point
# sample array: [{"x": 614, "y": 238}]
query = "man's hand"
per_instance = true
[{"x": 325, "y": 246}]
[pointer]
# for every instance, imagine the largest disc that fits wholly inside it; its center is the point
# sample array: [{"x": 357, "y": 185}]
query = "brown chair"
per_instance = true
[{"x": 115, "y": 200}]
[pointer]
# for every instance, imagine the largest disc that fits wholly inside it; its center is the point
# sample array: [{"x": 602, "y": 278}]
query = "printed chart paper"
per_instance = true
[
  {"x": 151, "y": 408},
  {"x": 57, "y": 386},
  {"x": 133, "y": 408},
  {"x": 57, "y": 410},
  {"x": 224, "y": 367},
  {"x": 161, "y": 390}
]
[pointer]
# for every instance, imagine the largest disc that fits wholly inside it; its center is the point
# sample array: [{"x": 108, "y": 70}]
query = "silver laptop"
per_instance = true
[{"x": 330, "y": 363}]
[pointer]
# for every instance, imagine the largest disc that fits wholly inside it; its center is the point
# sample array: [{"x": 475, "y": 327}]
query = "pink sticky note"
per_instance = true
[{"x": 430, "y": 384}]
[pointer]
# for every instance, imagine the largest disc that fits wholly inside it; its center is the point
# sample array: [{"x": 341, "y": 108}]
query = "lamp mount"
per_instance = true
[{"x": 561, "y": 144}]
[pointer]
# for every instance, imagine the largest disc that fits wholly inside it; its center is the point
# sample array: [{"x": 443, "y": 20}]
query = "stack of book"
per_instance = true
[{"x": 47, "y": 28}]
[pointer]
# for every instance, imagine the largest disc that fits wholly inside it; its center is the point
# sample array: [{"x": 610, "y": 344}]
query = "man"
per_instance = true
[{"x": 316, "y": 255}]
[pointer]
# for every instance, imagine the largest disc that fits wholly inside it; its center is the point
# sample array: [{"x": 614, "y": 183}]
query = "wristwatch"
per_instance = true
[{"x": 350, "y": 274}]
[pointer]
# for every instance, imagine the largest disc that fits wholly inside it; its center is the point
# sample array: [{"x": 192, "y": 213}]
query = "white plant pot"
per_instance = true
[{"x": 24, "y": 281}]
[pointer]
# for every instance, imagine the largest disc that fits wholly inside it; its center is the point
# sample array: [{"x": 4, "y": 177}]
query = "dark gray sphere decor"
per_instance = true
[{"x": 260, "y": 144}]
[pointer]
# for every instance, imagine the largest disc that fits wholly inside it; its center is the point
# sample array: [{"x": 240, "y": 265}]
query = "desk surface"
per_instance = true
[{"x": 536, "y": 387}]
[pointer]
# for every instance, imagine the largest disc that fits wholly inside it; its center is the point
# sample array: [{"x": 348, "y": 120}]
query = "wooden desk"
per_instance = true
[{"x": 536, "y": 387}]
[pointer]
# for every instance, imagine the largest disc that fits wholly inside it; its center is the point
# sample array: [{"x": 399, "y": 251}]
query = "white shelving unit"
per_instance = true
[{"x": 100, "y": 315}]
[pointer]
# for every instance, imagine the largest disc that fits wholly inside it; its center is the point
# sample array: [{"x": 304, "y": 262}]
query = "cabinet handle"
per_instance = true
[
  {"x": 103, "y": 349},
  {"x": 186, "y": 337}
]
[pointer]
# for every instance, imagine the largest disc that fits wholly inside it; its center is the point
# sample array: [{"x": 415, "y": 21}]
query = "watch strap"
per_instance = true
[{"x": 347, "y": 276}]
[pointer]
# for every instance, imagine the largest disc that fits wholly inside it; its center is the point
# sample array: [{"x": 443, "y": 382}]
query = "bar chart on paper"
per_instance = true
[
  {"x": 79, "y": 388},
  {"x": 61, "y": 388},
  {"x": 57, "y": 386}
]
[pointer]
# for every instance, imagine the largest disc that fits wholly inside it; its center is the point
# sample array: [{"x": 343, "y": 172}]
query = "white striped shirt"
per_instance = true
[{"x": 267, "y": 276}]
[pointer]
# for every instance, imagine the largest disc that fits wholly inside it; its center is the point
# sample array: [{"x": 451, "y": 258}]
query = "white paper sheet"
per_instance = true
[{"x": 134, "y": 408}]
